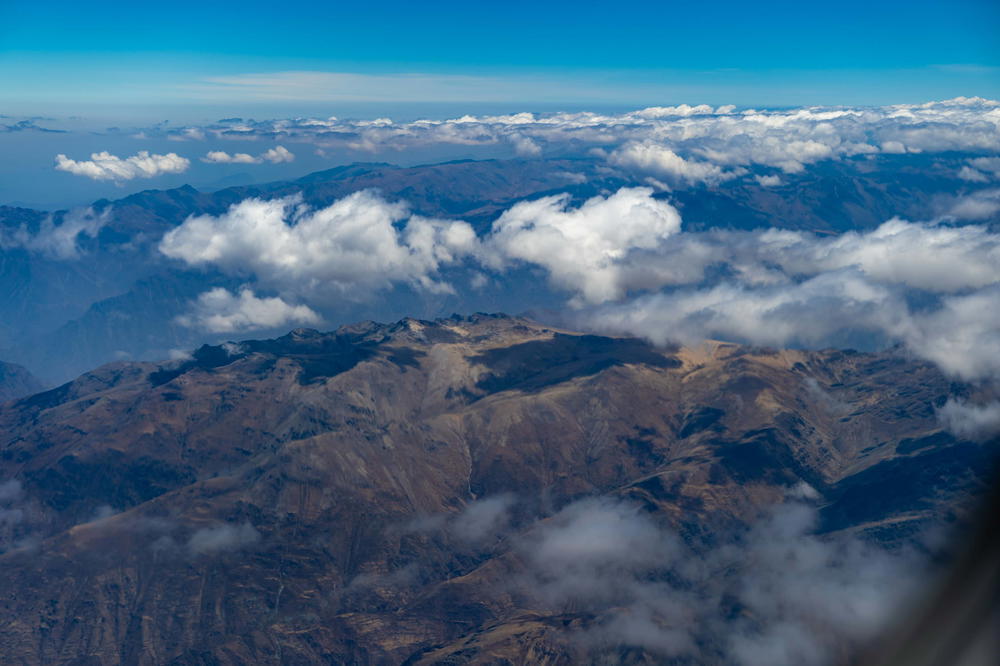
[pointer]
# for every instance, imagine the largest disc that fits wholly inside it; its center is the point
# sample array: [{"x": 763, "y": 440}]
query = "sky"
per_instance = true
[
  {"x": 190, "y": 59},
  {"x": 104, "y": 75}
]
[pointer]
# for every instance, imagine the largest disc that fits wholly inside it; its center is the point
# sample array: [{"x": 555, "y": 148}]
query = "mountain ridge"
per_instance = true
[{"x": 323, "y": 467}]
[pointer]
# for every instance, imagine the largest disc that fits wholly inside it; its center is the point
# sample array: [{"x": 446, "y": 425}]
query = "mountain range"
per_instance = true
[
  {"x": 480, "y": 489},
  {"x": 81, "y": 291}
]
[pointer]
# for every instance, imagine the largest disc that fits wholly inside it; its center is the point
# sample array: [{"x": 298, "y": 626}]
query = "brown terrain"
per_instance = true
[{"x": 312, "y": 499}]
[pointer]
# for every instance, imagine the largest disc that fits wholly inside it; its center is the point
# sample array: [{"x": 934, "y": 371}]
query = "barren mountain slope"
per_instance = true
[{"x": 322, "y": 497}]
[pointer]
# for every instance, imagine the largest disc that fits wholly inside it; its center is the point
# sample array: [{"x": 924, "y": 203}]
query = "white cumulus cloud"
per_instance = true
[
  {"x": 105, "y": 166},
  {"x": 347, "y": 250},
  {"x": 275, "y": 155},
  {"x": 584, "y": 249}
]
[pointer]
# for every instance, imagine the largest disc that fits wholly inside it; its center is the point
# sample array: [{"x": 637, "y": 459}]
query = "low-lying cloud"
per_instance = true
[
  {"x": 105, "y": 166},
  {"x": 775, "y": 595},
  {"x": 58, "y": 240},
  {"x": 969, "y": 420},
  {"x": 977, "y": 205},
  {"x": 482, "y": 521},
  {"x": 221, "y": 538},
  {"x": 932, "y": 287},
  {"x": 625, "y": 264},
  {"x": 609, "y": 558},
  {"x": 221, "y": 311}
]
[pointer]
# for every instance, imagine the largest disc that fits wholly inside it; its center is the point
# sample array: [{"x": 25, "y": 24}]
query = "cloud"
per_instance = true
[
  {"x": 477, "y": 526},
  {"x": 347, "y": 250},
  {"x": 664, "y": 162},
  {"x": 320, "y": 86},
  {"x": 221, "y": 157},
  {"x": 802, "y": 599},
  {"x": 928, "y": 256},
  {"x": 525, "y": 146},
  {"x": 275, "y": 155},
  {"x": 627, "y": 266},
  {"x": 11, "y": 494},
  {"x": 990, "y": 165},
  {"x": 482, "y": 521},
  {"x": 28, "y": 125},
  {"x": 808, "y": 600},
  {"x": 961, "y": 334},
  {"x": 609, "y": 558},
  {"x": 220, "y": 311},
  {"x": 590, "y": 549},
  {"x": 972, "y": 175},
  {"x": 930, "y": 286},
  {"x": 813, "y": 313},
  {"x": 585, "y": 249},
  {"x": 221, "y": 538},
  {"x": 105, "y": 166},
  {"x": 975, "y": 422},
  {"x": 976, "y": 206},
  {"x": 691, "y": 145},
  {"x": 58, "y": 241},
  {"x": 768, "y": 181}
]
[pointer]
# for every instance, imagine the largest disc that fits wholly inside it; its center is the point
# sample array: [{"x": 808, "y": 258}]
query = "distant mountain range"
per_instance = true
[
  {"x": 458, "y": 491},
  {"x": 114, "y": 296}
]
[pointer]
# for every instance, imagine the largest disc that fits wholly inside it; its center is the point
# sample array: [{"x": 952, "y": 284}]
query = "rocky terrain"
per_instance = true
[{"x": 433, "y": 492}]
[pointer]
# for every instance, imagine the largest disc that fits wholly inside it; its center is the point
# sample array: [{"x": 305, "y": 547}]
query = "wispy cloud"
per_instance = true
[
  {"x": 320, "y": 86},
  {"x": 57, "y": 239},
  {"x": 803, "y": 599}
]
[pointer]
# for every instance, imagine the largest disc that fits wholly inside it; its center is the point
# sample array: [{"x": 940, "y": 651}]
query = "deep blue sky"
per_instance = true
[{"x": 57, "y": 56}]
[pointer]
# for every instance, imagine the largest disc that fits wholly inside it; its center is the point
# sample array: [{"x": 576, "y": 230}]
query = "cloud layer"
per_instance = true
[
  {"x": 624, "y": 262},
  {"x": 683, "y": 144}
]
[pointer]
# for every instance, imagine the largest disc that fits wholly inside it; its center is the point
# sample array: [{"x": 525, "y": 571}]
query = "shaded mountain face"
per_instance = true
[
  {"x": 106, "y": 293},
  {"x": 468, "y": 490},
  {"x": 16, "y": 381}
]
